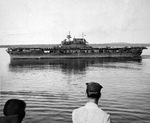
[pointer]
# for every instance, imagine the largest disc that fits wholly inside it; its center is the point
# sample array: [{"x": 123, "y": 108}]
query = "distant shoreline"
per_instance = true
[{"x": 93, "y": 45}]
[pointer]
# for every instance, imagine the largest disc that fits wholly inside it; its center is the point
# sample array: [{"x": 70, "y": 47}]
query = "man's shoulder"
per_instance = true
[
  {"x": 103, "y": 112},
  {"x": 84, "y": 109},
  {"x": 79, "y": 109}
]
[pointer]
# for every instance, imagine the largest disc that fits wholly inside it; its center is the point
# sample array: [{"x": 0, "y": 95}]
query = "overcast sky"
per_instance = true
[{"x": 49, "y": 21}]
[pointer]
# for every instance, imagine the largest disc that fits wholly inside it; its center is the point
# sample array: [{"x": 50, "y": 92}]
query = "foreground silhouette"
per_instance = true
[{"x": 14, "y": 111}]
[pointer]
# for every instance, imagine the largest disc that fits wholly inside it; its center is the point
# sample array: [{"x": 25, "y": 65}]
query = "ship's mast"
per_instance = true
[
  {"x": 83, "y": 37},
  {"x": 69, "y": 36}
]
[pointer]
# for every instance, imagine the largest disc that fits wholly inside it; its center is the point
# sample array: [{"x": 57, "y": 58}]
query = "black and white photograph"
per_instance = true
[{"x": 74, "y": 61}]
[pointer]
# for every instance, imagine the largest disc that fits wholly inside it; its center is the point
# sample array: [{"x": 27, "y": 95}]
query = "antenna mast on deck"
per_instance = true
[
  {"x": 83, "y": 37},
  {"x": 69, "y": 36}
]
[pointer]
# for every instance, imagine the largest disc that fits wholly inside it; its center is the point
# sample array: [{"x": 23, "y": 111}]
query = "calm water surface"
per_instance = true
[{"x": 53, "y": 88}]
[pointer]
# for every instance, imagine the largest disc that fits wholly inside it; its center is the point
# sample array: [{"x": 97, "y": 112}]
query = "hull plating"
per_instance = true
[{"x": 53, "y": 56}]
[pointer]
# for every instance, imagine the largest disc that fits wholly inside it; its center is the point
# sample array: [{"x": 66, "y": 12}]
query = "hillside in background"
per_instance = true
[{"x": 119, "y": 45}]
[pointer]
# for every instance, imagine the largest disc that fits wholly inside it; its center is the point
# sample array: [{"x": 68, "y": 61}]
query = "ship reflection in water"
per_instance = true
[{"x": 68, "y": 65}]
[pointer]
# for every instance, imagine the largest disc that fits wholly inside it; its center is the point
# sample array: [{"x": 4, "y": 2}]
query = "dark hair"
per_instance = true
[
  {"x": 15, "y": 107},
  {"x": 93, "y": 95}
]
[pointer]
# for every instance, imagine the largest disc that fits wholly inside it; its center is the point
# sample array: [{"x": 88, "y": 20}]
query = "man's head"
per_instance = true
[
  {"x": 93, "y": 90},
  {"x": 15, "y": 107}
]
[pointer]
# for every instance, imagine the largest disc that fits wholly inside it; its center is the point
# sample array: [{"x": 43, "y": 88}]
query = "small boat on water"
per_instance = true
[{"x": 76, "y": 48}]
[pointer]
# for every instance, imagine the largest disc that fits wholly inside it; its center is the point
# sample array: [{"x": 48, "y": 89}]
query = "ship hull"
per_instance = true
[{"x": 67, "y": 56}]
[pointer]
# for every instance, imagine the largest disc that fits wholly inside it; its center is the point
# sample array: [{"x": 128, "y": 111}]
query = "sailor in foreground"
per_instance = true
[
  {"x": 14, "y": 111},
  {"x": 91, "y": 113}
]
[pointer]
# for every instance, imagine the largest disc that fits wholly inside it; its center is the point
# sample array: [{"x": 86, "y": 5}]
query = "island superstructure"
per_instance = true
[{"x": 76, "y": 48}]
